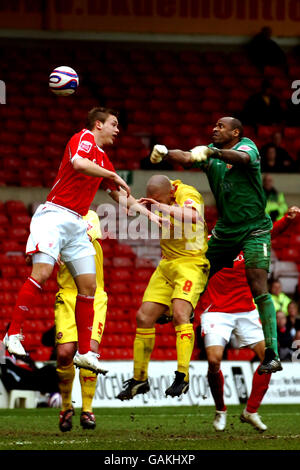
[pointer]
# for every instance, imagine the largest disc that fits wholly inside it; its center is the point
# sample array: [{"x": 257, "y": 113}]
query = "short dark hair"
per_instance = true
[
  {"x": 99, "y": 114},
  {"x": 236, "y": 124}
]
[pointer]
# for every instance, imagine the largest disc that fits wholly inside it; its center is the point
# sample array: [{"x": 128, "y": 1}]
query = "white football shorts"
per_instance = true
[
  {"x": 245, "y": 325},
  {"x": 55, "y": 230}
]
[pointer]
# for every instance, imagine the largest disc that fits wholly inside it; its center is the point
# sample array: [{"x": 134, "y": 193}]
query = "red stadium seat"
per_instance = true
[
  {"x": 118, "y": 287},
  {"x": 16, "y": 125},
  {"x": 122, "y": 261},
  {"x": 20, "y": 220},
  {"x": 38, "y": 126},
  {"x": 123, "y": 250},
  {"x": 143, "y": 274},
  {"x": 34, "y": 113},
  {"x": 143, "y": 263},
  {"x": 121, "y": 274},
  {"x": 7, "y": 298},
  {"x": 5, "y": 284},
  {"x": 15, "y": 207},
  {"x": 291, "y": 254},
  {"x": 11, "y": 246},
  {"x": 27, "y": 151},
  {"x": 19, "y": 234}
]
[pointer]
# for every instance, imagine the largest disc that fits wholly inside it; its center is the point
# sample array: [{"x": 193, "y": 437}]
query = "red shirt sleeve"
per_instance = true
[
  {"x": 280, "y": 226},
  {"x": 84, "y": 146}
]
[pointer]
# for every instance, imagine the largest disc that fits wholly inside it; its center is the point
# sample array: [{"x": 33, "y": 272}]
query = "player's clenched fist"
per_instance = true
[
  {"x": 158, "y": 153},
  {"x": 201, "y": 153}
]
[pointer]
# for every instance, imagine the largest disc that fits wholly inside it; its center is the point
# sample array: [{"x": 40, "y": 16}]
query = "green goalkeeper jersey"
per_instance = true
[{"x": 238, "y": 191}]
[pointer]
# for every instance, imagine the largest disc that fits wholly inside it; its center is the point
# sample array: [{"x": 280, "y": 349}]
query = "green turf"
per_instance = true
[{"x": 166, "y": 428}]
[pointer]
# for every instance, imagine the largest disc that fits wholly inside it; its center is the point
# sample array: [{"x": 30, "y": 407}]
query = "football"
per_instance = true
[
  {"x": 63, "y": 81},
  {"x": 54, "y": 400}
]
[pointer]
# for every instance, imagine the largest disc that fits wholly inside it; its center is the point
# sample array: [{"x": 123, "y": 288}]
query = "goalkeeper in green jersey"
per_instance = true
[{"x": 232, "y": 165}]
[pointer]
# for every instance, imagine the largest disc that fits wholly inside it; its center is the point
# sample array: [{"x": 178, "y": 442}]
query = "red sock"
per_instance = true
[
  {"x": 260, "y": 384},
  {"x": 28, "y": 296},
  {"x": 216, "y": 384},
  {"x": 84, "y": 314}
]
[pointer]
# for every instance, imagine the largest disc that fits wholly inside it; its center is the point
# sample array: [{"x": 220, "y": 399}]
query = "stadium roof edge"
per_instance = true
[{"x": 138, "y": 37}]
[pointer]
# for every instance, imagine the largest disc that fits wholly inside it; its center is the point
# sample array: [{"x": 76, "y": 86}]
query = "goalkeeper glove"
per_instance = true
[
  {"x": 201, "y": 153},
  {"x": 158, "y": 153}
]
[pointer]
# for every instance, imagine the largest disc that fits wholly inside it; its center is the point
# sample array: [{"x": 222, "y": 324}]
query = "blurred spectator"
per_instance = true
[
  {"x": 280, "y": 299},
  {"x": 263, "y": 50},
  {"x": 23, "y": 374},
  {"x": 269, "y": 160},
  {"x": 274, "y": 157},
  {"x": 284, "y": 337},
  {"x": 276, "y": 205},
  {"x": 262, "y": 108},
  {"x": 293, "y": 318}
]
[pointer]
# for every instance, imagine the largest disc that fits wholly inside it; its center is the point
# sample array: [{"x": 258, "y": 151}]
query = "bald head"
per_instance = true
[{"x": 159, "y": 187}]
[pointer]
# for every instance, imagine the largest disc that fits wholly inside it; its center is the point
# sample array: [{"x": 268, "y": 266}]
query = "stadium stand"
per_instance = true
[
  {"x": 146, "y": 103},
  {"x": 177, "y": 108}
]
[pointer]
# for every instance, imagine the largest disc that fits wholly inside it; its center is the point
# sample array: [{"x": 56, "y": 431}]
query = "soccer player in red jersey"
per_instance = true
[
  {"x": 57, "y": 228},
  {"x": 227, "y": 306}
]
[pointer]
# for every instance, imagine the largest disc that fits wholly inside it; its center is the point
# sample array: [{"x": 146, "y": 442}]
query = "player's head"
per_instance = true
[
  {"x": 103, "y": 122},
  {"x": 267, "y": 182},
  {"x": 160, "y": 188},
  {"x": 227, "y": 132}
]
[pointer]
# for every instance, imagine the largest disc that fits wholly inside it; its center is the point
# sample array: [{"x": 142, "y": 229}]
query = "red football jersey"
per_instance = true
[
  {"x": 75, "y": 190},
  {"x": 228, "y": 290}
]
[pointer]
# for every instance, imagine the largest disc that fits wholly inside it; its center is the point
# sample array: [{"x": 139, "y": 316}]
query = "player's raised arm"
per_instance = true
[
  {"x": 131, "y": 203},
  {"x": 198, "y": 154},
  {"x": 85, "y": 166},
  {"x": 160, "y": 152}
]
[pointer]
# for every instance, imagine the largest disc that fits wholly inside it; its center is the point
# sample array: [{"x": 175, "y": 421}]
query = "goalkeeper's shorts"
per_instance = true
[{"x": 64, "y": 310}]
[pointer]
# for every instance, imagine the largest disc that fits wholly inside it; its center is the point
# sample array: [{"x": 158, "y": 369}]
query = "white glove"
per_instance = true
[
  {"x": 158, "y": 153},
  {"x": 200, "y": 153}
]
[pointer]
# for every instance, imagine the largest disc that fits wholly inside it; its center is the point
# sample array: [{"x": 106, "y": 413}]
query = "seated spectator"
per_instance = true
[
  {"x": 270, "y": 162},
  {"x": 274, "y": 157},
  {"x": 263, "y": 50},
  {"x": 285, "y": 339},
  {"x": 293, "y": 318},
  {"x": 262, "y": 108},
  {"x": 276, "y": 205},
  {"x": 280, "y": 299}
]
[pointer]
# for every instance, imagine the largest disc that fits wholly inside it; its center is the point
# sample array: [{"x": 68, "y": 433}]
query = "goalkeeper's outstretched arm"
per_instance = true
[{"x": 198, "y": 154}]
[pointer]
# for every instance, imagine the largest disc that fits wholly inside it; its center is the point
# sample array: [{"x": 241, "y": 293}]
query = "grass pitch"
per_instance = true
[{"x": 165, "y": 428}]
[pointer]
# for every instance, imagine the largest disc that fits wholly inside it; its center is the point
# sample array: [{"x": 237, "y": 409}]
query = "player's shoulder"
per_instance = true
[
  {"x": 246, "y": 144},
  {"x": 84, "y": 137},
  {"x": 185, "y": 190}
]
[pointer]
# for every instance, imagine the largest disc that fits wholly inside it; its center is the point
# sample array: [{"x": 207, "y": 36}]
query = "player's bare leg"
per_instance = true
[
  {"x": 257, "y": 280},
  {"x": 216, "y": 383},
  {"x": 260, "y": 384},
  {"x": 185, "y": 338},
  {"x": 27, "y": 298},
  {"x": 143, "y": 346}
]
